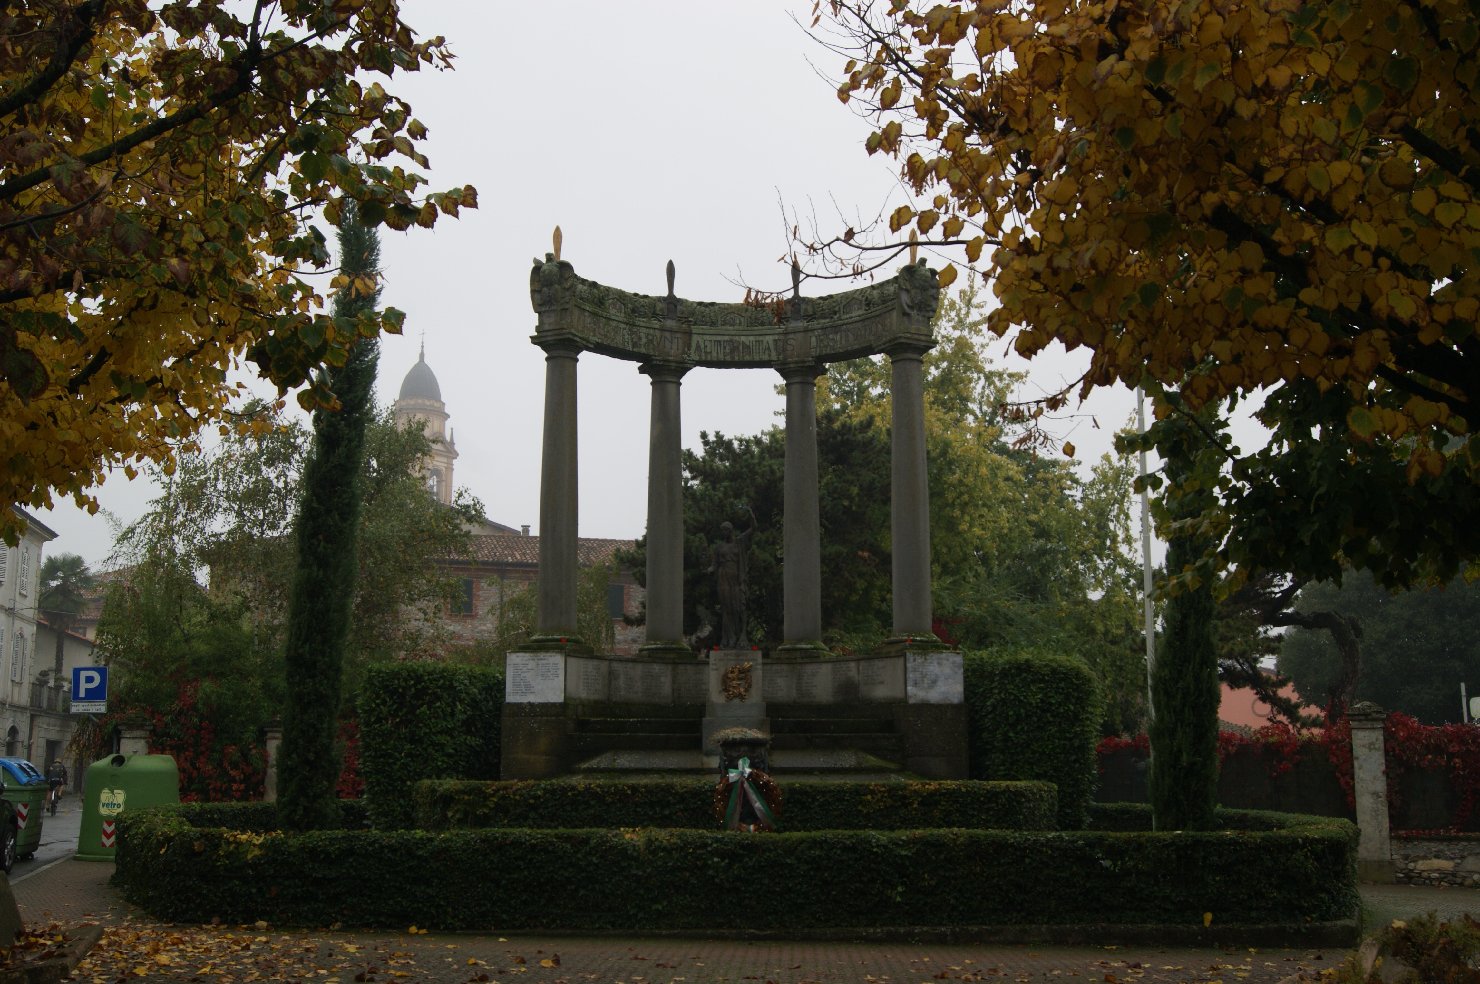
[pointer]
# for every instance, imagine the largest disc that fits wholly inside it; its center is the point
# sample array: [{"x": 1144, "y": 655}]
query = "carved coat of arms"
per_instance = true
[{"x": 737, "y": 681}]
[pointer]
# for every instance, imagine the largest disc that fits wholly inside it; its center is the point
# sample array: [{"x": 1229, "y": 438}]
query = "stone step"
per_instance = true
[
  {"x": 831, "y": 725},
  {"x": 885, "y": 743},
  {"x": 847, "y": 709},
  {"x": 623, "y": 761},
  {"x": 593, "y": 744},
  {"x": 627, "y": 726},
  {"x": 830, "y": 761}
]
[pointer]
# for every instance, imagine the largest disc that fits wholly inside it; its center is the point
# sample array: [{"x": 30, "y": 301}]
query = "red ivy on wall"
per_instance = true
[
  {"x": 211, "y": 769},
  {"x": 350, "y": 785},
  {"x": 1409, "y": 745}
]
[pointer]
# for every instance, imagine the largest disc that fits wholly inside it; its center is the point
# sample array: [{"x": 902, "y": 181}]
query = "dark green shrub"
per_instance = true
[
  {"x": 1035, "y": 716},
  {"x": 425, "y": 721},
  {"x": 686, "y": 802},
  {"x": 690, "y": 880},
  {"x": 1183, "y": 784},
  {"x": 260, "y": 816}
]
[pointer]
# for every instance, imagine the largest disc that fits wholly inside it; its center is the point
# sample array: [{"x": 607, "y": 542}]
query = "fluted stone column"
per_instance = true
[
  {"x": 665, "y": 512},
  {"x": 801, "y": 532},
  {"x": 559, "y": 498},
  {"x": 910, "y": 496}
]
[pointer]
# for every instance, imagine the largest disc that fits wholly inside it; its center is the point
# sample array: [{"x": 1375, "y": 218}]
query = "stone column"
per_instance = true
[
  {"x": 272, "y": 737},
  {"x": 801, "y": 573},
  {"x": 1369, "y": 782},
  {"x": 555, "y": 618},
  {"x": 133, "y": 741},
  {"x": 909, "y": 507},
  {"x": 665, "y": 513}
]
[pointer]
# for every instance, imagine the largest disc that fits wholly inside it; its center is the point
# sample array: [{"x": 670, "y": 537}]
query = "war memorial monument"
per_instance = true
[{"x": 570, "y": 709}]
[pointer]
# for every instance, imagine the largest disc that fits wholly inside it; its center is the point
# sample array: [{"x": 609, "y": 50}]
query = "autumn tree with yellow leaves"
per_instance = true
[
  {"x": 1220, "y": 198},
  {"x": 164, "y": 170}
]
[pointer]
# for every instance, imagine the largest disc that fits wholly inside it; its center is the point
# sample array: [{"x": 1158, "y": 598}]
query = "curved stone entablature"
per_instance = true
[{"x": 647, "y": 328}]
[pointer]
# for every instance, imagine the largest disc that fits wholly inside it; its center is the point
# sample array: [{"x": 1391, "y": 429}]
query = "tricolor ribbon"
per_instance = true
[{"x": 742, "y": 786}]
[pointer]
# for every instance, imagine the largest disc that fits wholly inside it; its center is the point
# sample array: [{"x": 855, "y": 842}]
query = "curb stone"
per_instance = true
[{"x": 80, "y": 940}]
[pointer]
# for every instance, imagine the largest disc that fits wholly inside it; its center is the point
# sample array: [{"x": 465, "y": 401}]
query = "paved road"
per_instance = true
[{"x": 58, "y": 838}]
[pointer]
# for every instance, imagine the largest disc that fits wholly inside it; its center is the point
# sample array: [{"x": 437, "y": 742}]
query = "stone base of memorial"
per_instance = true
[
  {"x": 549, "y": 695},
  {"x": 734, "y": 699}
]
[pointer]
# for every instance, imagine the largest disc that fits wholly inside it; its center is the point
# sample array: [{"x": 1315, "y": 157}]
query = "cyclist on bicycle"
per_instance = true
[{"x": 56, "y": 778}]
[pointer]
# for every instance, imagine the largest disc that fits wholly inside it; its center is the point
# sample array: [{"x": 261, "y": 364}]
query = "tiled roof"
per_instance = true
[{"x": 515, "y": 548}]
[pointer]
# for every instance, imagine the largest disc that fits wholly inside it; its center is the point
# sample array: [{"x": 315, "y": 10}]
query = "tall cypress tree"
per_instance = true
[
  {"x": 1184, "y": 678},
  {"x": 327, "y": 530}
]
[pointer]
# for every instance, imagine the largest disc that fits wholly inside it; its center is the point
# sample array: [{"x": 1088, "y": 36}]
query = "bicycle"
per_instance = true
[{"x": 54, "y": 797}]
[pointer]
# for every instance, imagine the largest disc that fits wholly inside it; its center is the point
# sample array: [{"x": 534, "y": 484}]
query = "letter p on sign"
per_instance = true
[{"x": 90, "y": 689}]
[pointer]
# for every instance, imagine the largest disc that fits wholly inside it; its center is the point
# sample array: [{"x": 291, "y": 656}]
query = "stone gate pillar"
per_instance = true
[
  {"x": 801, "y": 572},
  {"x": 1369, "y": 790},
  {"x": 665, "y": 512},
  {"x": 909, "y": 509},
  {"x": 555, "y": 618}
]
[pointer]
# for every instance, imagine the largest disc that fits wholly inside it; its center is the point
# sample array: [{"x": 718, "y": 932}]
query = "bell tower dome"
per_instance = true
[{"x": 420, "y": 401}]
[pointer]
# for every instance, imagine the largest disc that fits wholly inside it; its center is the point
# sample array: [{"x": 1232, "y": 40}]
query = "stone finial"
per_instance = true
[
  {"x": 558, "y": 238},
  {"x": 670, "y": 303},
  {"x": 914, "y": 246},
  {"x": 795, "y": 304}
]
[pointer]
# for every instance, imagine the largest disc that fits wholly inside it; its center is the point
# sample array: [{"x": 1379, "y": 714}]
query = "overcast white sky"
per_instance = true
[{"x": 649, "y": 131}]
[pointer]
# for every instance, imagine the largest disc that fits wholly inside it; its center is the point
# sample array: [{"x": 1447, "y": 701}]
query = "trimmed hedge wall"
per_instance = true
[
  {"x": 425, "y": 721},
  {"x": 686, "y": 803},
  {"x": 257, "y": 816},
  {"x": 1035, "y": 716},
  {"x": 688, "y": 880}
]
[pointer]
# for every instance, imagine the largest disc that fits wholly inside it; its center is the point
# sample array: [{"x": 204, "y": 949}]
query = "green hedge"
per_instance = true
[
  {"x": 686, "y": 802},
  {"x": 1035, "y": 716},
  {"x": 258, "y": 816},
  {"x": 649, "y": 880},
  {"x": 1136, "y": 818},
  {"x": 425, "y": 721}
]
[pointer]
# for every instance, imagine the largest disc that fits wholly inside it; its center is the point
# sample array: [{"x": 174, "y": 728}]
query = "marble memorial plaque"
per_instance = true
[
  {"x": 535, "y": 678},
  {"x": 780, "y": 683},
  {"x": 844, "y": 681},
  {"x": 690, "y": 682},
  {"x": 655, "y": 683},
  {"x": 934, "y": 678},
  {"x": 586, "y": 678},
  {"x": 881, "y": 678},
  {"x": 814, "y": 683},
  {"x": 625, "y": 681}
]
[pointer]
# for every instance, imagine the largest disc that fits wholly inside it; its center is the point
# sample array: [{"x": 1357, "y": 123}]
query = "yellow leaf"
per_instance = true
[
  {"x": 1207, "y": 919},
  {"x": 1068, "y": 450},
  {"x": 947, "y": 276},
  {"x": 899, "y": 217},
  {"x": 1424, "y": 200},
  {"x": 1448, "y": 213}
]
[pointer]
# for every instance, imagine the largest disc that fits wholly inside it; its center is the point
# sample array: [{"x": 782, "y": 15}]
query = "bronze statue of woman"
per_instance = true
[{"x": 729, "y": 562}]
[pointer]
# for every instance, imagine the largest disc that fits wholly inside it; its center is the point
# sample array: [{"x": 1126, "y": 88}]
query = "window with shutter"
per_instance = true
[
  {"x": 4, "y": 561},
  {"x": 17, "y": 651},
  {"x": 24, "y": 573}
]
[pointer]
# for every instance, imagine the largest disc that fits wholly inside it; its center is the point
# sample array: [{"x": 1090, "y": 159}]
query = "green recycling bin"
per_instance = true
[
  {"x": 26, "y": 788},
  {"x": 114, "y": 785}
]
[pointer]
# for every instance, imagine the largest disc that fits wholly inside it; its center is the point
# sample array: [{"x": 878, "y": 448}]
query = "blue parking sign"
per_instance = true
[{"x": 90, "y": 689}]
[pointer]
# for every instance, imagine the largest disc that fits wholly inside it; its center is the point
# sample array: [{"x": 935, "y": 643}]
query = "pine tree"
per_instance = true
[
  {"x": 327, "y": 527},
  {"x": 1184, "y": 678}
]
